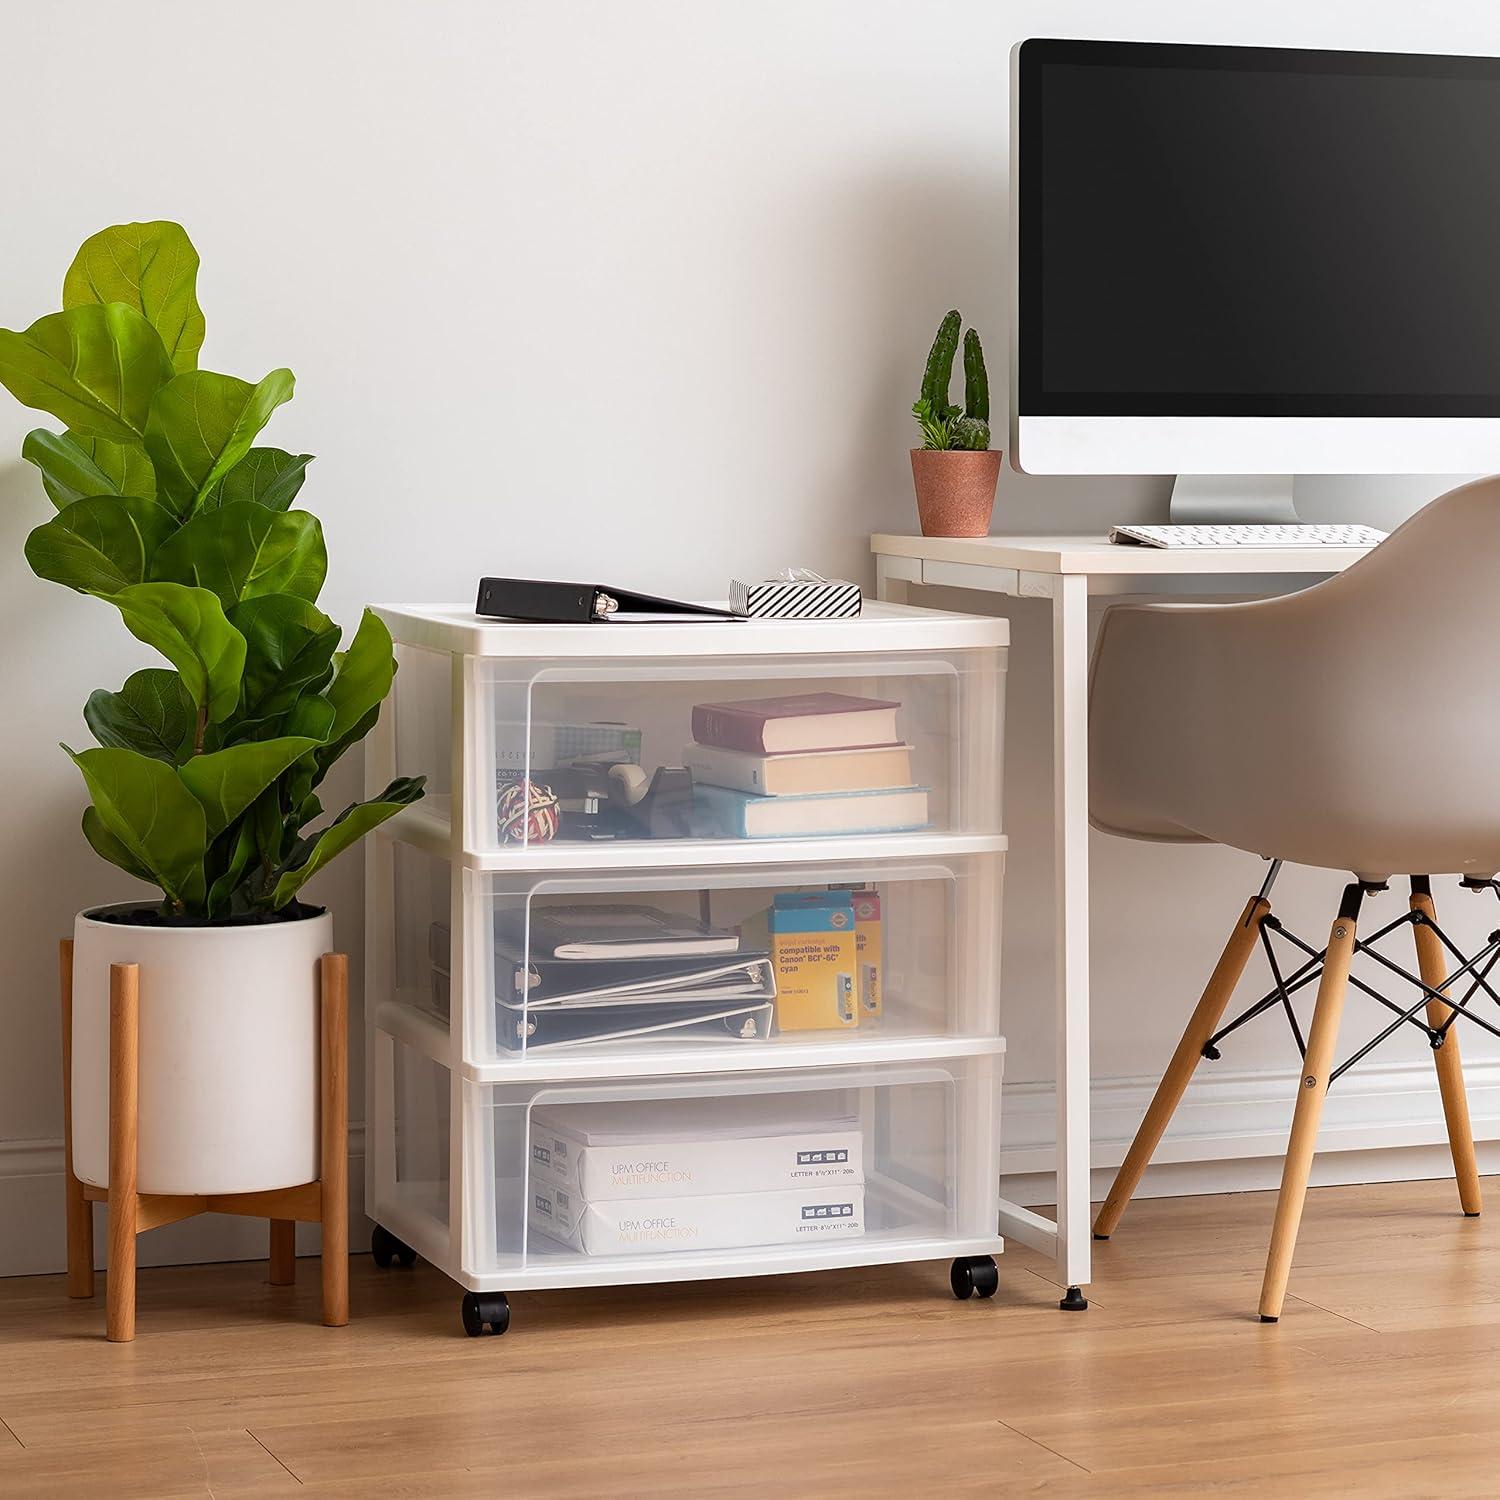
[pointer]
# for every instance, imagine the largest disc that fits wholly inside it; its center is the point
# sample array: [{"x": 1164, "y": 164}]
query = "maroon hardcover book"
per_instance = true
[{"x": 800, "y": 721}]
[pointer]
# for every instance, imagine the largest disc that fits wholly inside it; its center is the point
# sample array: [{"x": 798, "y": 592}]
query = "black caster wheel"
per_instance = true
[
  {"x": 974, "y": 1276},
  {"x": 388, "y": 1250},
  {"x": 485, "y": 1310}
]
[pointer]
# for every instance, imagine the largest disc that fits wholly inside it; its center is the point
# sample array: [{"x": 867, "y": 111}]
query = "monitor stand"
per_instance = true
[{"x": 1226, "y": 499}]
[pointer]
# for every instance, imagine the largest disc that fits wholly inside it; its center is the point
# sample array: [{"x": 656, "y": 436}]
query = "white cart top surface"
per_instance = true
[{"x": 457, "y": 629}]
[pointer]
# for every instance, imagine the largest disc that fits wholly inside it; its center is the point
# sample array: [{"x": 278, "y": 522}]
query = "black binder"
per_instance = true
[{"x": 543, "y": 599}]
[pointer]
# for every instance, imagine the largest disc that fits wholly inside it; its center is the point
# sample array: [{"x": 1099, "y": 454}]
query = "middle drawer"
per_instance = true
[{"x": 733, "y": 961}]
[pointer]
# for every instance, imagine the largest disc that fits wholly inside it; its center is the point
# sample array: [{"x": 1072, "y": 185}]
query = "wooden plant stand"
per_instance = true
[{"x": 324, "y": 1202}]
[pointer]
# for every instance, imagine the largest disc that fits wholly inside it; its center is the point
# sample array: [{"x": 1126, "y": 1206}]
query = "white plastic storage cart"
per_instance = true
[{"x": 557, "y": 814}]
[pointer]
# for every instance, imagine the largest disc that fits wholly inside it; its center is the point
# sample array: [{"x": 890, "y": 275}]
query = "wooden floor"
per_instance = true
[{"x": 1383, "y": 1377}]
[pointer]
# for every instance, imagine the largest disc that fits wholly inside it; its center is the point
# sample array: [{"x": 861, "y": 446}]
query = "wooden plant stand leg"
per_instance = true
[
  {"x": 1450, "y": 1069},
  {"x": 283, "y": 1252},
  {"x": 1321, "y": 1040},
  {"x": 334, "y": 1134},
  {"x": 324, "y": 1201},
  {"x": 1185, "y": 1059},
  {"x": 124, "y": 1080},
  {"x": 80, "y": 1210}
]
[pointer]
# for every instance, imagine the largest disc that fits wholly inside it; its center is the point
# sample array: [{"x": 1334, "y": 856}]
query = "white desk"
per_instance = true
[{"x": 1067, "y": 570}]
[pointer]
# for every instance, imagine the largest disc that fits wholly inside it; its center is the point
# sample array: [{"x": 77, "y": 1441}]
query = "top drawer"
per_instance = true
[{"x": 723, "y": 747}]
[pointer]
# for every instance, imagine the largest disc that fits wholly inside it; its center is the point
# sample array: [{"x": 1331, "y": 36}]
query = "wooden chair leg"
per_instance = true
[
  {"x": 1179, "y": 1072},
  {"x": 79, "y": 1210},
  {"x": 124, "y": 1078},
  {"x": 283, "y": 1252},
  {"x": 334, "y": 1137},
  {"x": 1434, "y": 971},
  {"x": 1321, "y": 1040}
]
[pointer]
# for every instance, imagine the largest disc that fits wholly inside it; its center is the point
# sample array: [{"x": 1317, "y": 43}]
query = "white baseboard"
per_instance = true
[
  {"x": 1383, "y": 1123},
  {"x": 32, "y": 1240}
]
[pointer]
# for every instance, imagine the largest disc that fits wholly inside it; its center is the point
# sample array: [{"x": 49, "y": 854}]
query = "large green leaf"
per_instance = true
[
  {"x": 202, "y": 424},
  {"x": 107, "y": 846},
  {"x": 125, "y": 465},
  {"x": 311, "y": 715},
  {"x": 228, "y": 781},
  {"x": 75, "y": 466},
  {"x": 96, "y": 368},
  {"x": 267, "y": 476},
  {"x": 348, "y": 828},
  {"x": 221, "y": 891},
  {"x": 100, "y": 545},
  {"x": 328, "y": 754},
  {"x": 141, "y": 802},
  {"x": 154, "y": 268},
  {"x": 269, "y": 828},
  {"x": 364, "y": 674},
  {"x": 289, "y": 646},
  {"x": 152, "y": 714},
  {"x": 188, "y": 627},
  {"x": 242, "y": 551}
]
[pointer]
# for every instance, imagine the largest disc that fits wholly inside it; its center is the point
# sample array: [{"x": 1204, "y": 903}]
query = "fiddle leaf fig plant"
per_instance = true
[{"x": 204, "y": 781}]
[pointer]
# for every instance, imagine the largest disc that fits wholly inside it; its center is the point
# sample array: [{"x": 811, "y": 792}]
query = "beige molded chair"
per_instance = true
[{"x": 1345, "y": 727}]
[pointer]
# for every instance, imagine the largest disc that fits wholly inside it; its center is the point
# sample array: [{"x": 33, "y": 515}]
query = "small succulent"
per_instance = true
[{"x": 945, "y": 426}]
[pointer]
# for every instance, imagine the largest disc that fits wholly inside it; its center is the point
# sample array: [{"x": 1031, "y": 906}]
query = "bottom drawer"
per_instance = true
[{"x": 728, "y": 1174}]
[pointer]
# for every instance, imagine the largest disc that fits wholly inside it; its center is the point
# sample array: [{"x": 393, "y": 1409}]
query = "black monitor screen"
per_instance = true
[{"x": 1226, "y": 231}]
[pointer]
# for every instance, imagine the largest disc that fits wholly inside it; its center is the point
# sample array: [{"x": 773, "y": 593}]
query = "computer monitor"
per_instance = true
[{"x": 1238, "y": 264}]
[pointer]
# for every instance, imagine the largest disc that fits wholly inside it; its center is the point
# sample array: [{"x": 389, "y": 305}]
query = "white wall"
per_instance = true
[{"x": 630, "y": 290}]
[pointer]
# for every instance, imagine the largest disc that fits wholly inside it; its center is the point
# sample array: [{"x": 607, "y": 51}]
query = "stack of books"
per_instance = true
[
  {"x": 801, "y": 766},
  {"x": 641, "y": 1176},
  {"x": 575, "y": 975}
]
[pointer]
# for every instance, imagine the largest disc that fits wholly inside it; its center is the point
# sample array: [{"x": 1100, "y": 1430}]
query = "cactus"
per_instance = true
[
  {"x": 945, "y": 426},
  {"x": 969, "y": 433},
  {"x": 976, "y": 379},
  {"x": 939, "y": 371}
]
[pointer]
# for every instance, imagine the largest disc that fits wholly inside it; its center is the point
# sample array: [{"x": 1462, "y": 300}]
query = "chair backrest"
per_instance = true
[{"x": 1355, "y": 724}]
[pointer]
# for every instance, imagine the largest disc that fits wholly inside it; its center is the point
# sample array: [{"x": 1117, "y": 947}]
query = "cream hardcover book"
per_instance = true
[{"x": 796, "y": 774}]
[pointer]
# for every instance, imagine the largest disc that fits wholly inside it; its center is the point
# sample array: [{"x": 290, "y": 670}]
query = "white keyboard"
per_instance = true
[{"x": 1247, "y": 536}]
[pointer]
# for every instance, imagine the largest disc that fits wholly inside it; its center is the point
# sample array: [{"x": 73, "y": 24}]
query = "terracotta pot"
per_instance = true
[{"x": 955, "y": 490}]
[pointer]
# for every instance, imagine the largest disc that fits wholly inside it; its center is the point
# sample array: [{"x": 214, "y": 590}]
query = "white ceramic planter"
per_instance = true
[{"x": 228, "y": 1053}]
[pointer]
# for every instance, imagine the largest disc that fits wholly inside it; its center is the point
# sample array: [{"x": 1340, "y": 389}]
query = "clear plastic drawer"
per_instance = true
[
  {"x": 719, "y": 1175},
  {"x": 735, "y": 961},
  {"x": 627, "y": 751}
]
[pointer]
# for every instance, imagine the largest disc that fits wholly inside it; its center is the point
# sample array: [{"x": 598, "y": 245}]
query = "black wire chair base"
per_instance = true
[{"x": 1475, "y": 969}]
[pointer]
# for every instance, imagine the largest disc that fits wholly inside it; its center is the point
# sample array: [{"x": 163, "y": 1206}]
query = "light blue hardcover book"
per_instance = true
[{"x": 720, "y": 812}]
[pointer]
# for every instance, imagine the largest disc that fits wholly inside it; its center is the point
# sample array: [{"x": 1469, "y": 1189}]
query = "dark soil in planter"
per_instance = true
[{"x": 153, "y": 916}]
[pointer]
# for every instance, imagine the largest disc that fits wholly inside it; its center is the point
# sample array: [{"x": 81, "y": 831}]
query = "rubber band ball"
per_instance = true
[{"x": 528, "y": 813}]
